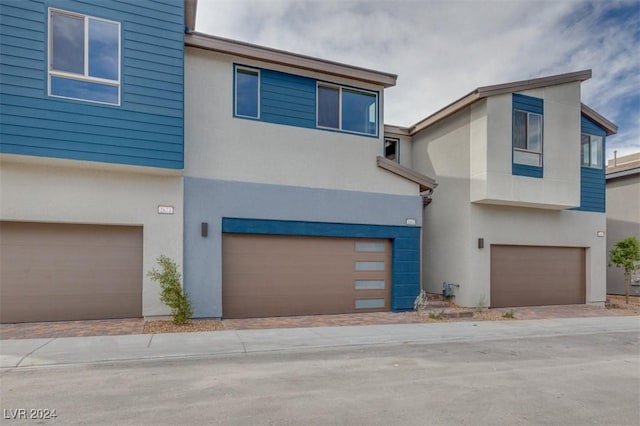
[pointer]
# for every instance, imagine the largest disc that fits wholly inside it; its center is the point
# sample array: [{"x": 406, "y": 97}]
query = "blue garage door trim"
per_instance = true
[{"x": 405, "y": 252}]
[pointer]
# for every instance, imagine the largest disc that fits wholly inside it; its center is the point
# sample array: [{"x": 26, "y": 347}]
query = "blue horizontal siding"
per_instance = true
[
  {"x": 528, "y": 103},
  {"x": 146, "y": 129},
  {"x": 528, "y": 171},
  {"x": 287, "y": 99},
  {"x": 405, "y": 268},
  {"x": 592, "y": 180}
]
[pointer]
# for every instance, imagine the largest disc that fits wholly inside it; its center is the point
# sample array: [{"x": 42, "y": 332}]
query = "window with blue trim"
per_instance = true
[
  {"x": 247, "y": 93},
  {"x": 591, "y": 148},
  {"x": 347, "y": 109},
  {"x": 528, "y": 140},
  {"x": 84, "y": 57}
]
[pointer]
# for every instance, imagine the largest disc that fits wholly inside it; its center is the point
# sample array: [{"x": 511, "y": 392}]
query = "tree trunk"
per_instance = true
[{"x": 627, "y": 284}]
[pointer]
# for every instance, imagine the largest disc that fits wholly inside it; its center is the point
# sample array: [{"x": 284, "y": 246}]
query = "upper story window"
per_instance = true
[
  {"x": 528, "y": 138},
  {"x": 392, "y": 149},
  {"x": 347, "y": 109},
  {"x": 247, "y": 92},
  {"x": 84, "y": 57},
  {"x": 591, "y": 148}
]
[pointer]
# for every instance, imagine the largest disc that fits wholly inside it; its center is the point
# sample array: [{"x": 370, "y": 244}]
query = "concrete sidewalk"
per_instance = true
[{"x": 98, "y": 349}]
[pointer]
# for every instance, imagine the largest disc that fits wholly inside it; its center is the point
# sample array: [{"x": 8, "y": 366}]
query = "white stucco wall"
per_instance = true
[
  {"x": 443, "y": 153},
  {"x": 219, "y": 146},
  {"x": 64, "y": 191},
  {"x": 506, "y": 225},
  {"x": 460, "y": 156},
  {"x": 493, "y": 181}
]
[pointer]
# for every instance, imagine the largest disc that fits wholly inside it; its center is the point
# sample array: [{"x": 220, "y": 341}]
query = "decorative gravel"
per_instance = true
[{"x": 156, "y": 327}]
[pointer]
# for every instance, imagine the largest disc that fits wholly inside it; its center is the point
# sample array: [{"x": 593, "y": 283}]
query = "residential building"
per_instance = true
[
  {"x": 518, "y": 216},
  {"x": 270, "y": 178},
  {"x": 623, "y": 213},
  {"x": 91, "y": 145},
  {"x": 290, "y": 208}
]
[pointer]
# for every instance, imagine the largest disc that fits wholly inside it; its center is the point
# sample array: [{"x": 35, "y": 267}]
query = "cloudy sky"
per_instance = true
[{"x": 441, "y": 50}]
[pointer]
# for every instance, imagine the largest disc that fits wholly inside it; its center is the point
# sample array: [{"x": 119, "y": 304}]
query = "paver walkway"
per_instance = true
[{"x": 136, "y": 325}]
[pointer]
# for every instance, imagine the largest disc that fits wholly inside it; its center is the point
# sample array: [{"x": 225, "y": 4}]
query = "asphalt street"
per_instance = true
[{"x": 582, "y": 378}]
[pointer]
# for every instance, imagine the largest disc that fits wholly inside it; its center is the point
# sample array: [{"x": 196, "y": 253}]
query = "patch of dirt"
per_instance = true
[
  {"x": 156, "y": 327},
  {"x": 489, "y": 315}
]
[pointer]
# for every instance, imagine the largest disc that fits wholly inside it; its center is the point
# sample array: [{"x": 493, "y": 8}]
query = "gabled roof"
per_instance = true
[{"x": 517, "y": 86}]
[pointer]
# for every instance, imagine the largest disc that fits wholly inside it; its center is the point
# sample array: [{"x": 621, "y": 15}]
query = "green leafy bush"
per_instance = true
[
  {"x": 626, "y": 254},
  {"x": 172, "y": 293},
  {"x": 510, "y": 314}
]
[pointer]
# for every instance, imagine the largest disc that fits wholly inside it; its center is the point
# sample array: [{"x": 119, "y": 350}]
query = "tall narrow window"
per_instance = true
[
  {"x": 329, "y": 107},
  {"x": 591, "y": 148},
  {"x": 247, "y": 93},
  {"x": 347, "y": 109},
  {"x": 84, "y": 57},
  {"x": 527, "y": 138}
]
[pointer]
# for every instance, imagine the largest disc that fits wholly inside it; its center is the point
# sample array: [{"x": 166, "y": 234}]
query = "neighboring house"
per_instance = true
[
  {"x": 623, "y": 213},
  {"x": 518, "y": 216},
  {"x": 289, "y": 207},
  {"x": 91, "y": 117}
]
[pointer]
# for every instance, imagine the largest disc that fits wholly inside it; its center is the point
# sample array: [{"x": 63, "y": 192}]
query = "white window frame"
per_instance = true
[
  {"x": 352, "y": 89},
  {"x": 531, "y": 151},
  {"x": 600, "y": 153},
  {"x": 255, "y": 71},
  {"x": 85, "y": 76}
]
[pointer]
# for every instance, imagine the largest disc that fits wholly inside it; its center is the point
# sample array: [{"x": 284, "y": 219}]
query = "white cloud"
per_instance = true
[{"x": 441, "y": 50}]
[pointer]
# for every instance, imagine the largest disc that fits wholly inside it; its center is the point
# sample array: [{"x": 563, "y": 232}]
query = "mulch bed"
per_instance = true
[{"x": 156, "y": 327}]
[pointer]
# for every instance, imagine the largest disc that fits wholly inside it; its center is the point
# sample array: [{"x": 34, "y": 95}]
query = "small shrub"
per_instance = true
[
  {"x": 437, "y": 315},
  {"x": 172, "y": 293},
  {"x": 422, "y": 300},
  {"x": 511, "y": 314}
]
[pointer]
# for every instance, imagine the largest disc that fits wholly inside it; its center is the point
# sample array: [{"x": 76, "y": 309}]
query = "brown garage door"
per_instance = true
[
  {"x": 534, "y": 276},
  {"x": 265, "y": 276},
  {"x": 55, "y": 272}
]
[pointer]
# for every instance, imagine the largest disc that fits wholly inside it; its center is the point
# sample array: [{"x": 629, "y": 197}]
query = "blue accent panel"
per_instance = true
[
  {"x": 592, "y": 180},
  {"x": 524, "y": 170},
  {"x": 588, "y": 126},
  {"x": 287, "y": 99},
  {"x": 530, "y": 104},
  {"x": 405, "y": 286},
  {"x": 146, "y": 129},
  {"x": 292, "y": 210}
]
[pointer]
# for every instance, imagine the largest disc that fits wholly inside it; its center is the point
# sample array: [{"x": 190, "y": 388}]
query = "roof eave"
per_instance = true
[
  {"x": 498, "y": 89},
  {"x": 609, "y": 127},
  {"x": 426, "y": 183},
  {"x": 281, "y": 57}
]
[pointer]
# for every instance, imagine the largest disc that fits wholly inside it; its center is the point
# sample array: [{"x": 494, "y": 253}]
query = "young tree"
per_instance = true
[
  {"x": 626, "y": 253},
  {"x": 172, "y": 294}
]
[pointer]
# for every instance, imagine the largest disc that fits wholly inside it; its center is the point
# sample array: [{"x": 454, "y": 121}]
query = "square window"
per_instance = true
[
  {"x": 247, "y": 93},
  {"x": 347, "y": 109},
  {"x": 591, "y": 149},
  {"x": 84, "y": 57}
]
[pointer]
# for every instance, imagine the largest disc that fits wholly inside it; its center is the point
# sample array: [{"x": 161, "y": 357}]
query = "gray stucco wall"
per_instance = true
[{"x": 209, "y": 200}]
